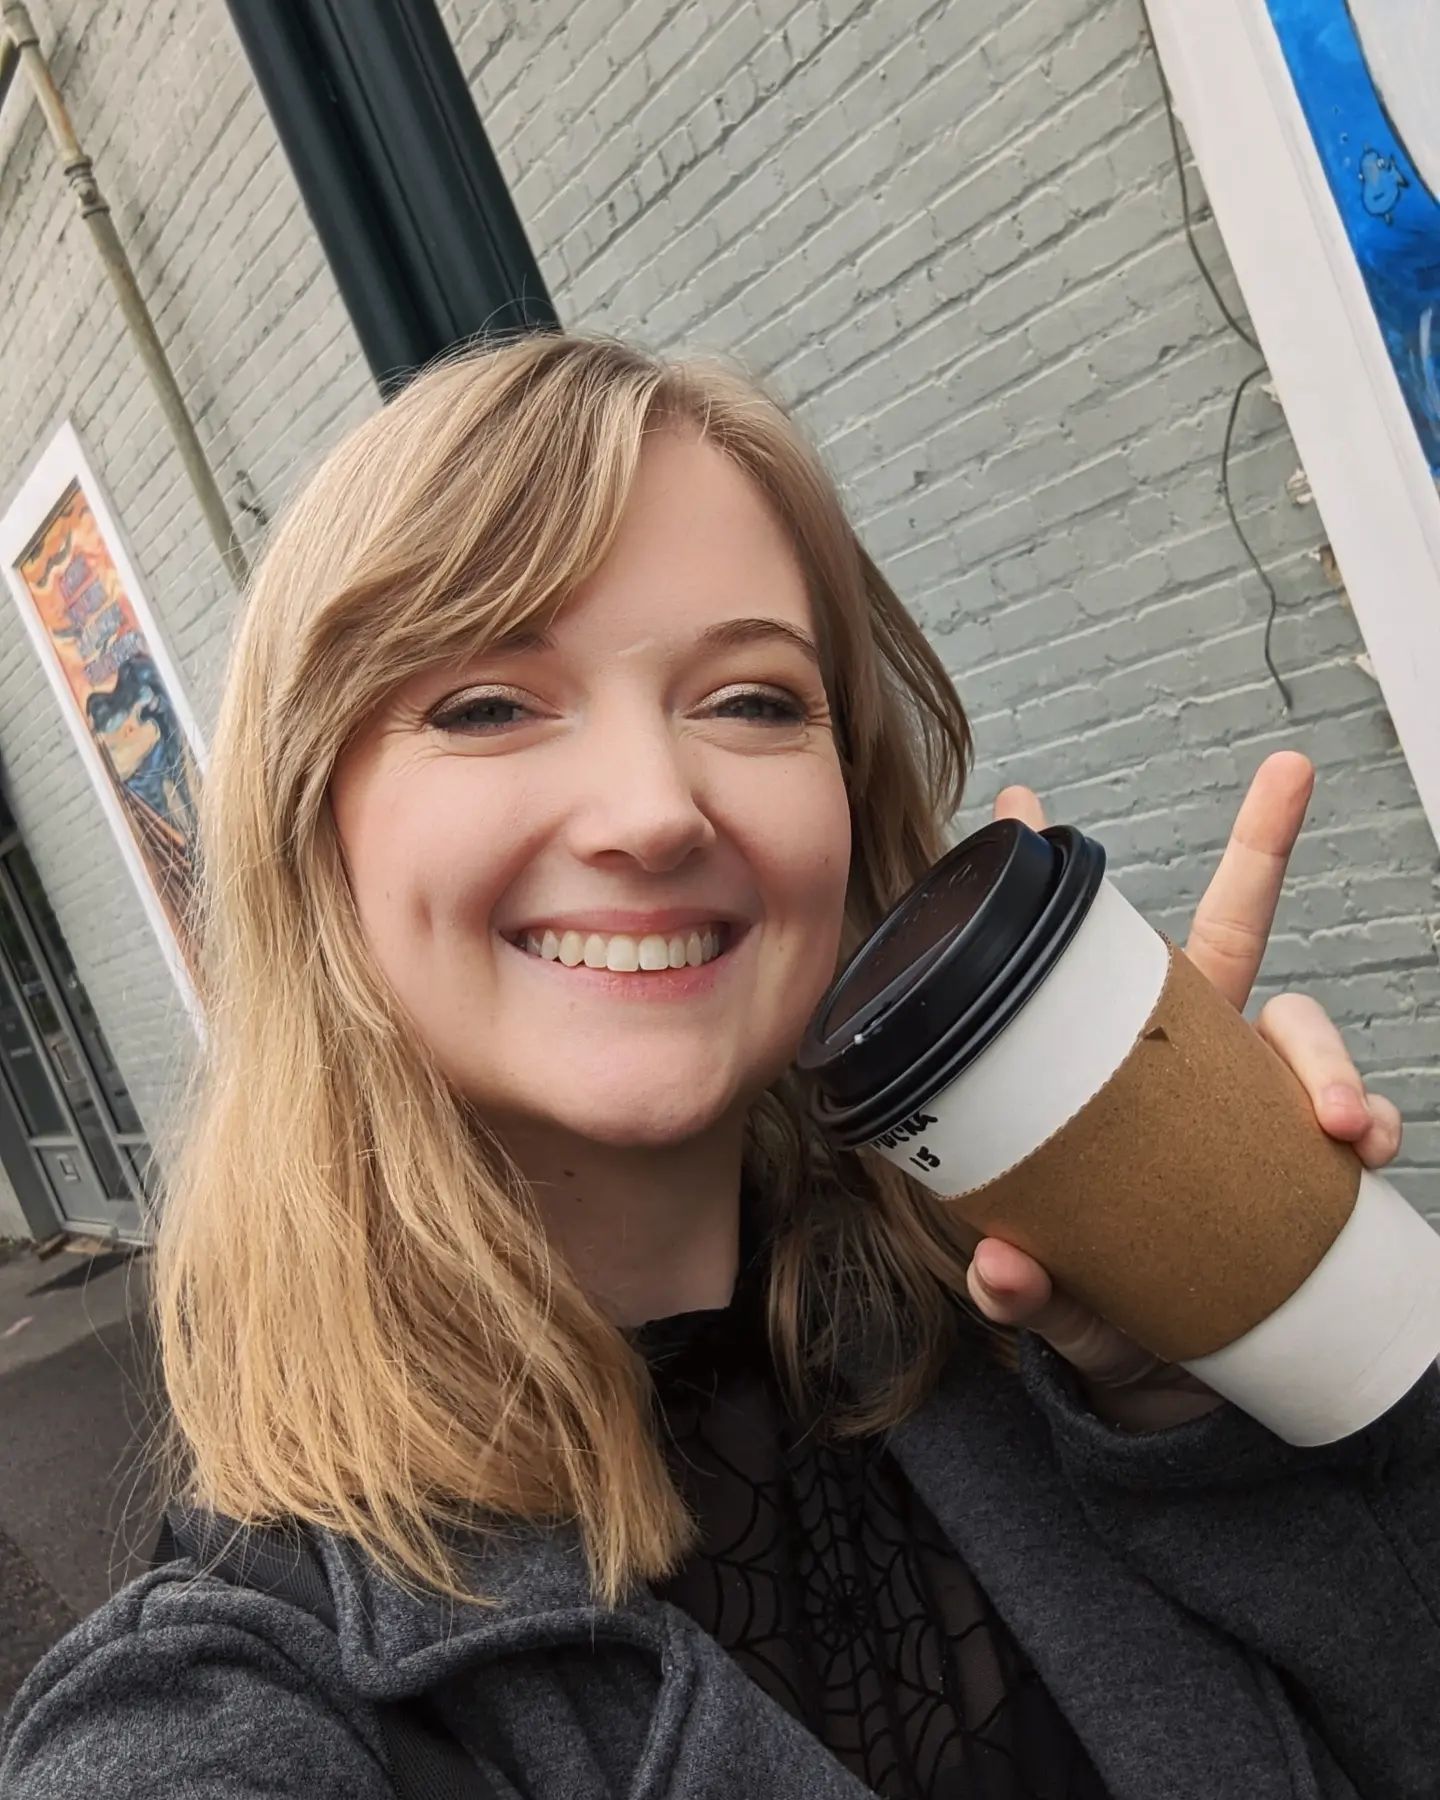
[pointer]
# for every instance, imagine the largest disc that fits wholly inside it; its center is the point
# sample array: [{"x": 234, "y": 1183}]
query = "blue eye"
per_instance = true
[
  {"x": 773, "y": 708},
  {"x": 478, "y": 714},
  {"x": 485, "y": 715}
]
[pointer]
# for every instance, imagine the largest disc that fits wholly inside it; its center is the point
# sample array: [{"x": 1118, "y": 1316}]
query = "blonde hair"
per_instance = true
[{"x": 360, "y": 1322}]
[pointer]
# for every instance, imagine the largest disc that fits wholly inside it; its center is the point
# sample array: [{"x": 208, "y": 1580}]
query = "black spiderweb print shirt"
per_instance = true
[{"x": 835, "y": 1590}]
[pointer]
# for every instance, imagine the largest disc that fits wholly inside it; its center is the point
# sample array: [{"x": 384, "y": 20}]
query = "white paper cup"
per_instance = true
[{"x": 1005, "y": 1119}]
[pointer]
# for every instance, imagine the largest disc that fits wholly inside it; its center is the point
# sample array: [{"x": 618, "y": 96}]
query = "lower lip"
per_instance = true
[{"x": 646, "y": 984}]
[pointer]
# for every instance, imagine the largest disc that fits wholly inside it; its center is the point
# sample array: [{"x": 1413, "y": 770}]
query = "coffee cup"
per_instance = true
[{"x": 1017, "y": 1037}]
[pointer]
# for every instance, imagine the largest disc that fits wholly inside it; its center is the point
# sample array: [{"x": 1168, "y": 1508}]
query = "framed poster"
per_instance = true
[
  {"x": 1317, "y": 135},
  {"x": 1366, "y": 74},
  {"x": 85, "y": 611}
]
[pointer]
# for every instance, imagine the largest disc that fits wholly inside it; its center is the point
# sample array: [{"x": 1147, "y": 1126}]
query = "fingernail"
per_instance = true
[{"x": 1339, "y": 1093}]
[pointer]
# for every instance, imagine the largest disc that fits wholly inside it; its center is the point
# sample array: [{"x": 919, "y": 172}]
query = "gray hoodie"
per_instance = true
[{"x": 1221, "y": 1617}]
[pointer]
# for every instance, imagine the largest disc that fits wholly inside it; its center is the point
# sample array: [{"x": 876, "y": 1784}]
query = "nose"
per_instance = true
[{"x": 637, "y": 796}]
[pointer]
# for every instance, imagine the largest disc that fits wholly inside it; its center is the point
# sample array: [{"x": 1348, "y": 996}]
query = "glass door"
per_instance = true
[{"x": 77, "y": 1119}]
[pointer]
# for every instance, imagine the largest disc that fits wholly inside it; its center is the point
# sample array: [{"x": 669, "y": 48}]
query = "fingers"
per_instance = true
[
  {"x": 1304, "y": 1035},
  {"x": 1020, "y": 803},
  {"x": 1232, "y": 922},
  {"x": 1011, "y": 1288},
  {"x": 1381, "y": 1144}
]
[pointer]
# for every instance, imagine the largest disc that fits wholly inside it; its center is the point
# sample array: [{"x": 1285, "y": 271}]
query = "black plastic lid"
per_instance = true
[{"x": 945, "y": 971}]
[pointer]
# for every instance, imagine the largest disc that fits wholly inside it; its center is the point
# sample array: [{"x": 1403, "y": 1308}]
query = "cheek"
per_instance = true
[
  {"x": 807, "y": 868},
  {"x": 420, "y": 868}
]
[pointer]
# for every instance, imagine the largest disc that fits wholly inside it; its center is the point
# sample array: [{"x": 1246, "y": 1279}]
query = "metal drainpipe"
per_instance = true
[
  {"x": 9, "y": 62},
  {"x": 23, "y": 45}
]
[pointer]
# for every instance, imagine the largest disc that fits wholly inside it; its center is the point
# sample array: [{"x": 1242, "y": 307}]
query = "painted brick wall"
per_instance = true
[
  {"x": 950, "y": 236},
  {"x": 206, "y": 205}
]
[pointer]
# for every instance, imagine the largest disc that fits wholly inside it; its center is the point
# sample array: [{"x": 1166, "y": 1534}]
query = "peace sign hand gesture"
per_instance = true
[{"x": 1123, "y": 1382}]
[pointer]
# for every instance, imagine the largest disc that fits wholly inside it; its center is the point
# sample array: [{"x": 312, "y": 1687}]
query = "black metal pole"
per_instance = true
[{"x": 397, "y": 174}]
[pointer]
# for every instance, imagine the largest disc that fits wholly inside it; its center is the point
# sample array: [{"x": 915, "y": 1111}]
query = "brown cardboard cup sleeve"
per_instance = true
[{"x": 1194, "y": 1192}]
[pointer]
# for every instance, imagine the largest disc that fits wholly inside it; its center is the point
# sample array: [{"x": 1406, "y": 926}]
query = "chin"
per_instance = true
[{"x": 641, "y": 1127}]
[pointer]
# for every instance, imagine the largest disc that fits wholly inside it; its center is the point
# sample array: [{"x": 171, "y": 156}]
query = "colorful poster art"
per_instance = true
[
  {"x": 83, "y": 609},
  {"x": 1367, "y": 74}
]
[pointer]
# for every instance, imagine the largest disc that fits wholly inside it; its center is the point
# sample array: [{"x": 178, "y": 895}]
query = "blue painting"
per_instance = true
[{"x": 1367, "y": 73}]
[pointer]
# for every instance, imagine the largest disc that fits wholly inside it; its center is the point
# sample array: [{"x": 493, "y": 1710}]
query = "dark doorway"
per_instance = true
[{"x": 70, "y": 1138}]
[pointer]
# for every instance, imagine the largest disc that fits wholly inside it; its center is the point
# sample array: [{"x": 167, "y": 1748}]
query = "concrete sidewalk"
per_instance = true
[{"x": 76, "y": 1519}]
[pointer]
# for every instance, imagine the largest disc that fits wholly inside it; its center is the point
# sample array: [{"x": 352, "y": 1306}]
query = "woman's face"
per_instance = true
[{"x": 656, "y": 785}]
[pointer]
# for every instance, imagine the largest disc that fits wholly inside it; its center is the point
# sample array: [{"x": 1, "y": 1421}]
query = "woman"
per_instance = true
[{"x": 570, "y": 739}]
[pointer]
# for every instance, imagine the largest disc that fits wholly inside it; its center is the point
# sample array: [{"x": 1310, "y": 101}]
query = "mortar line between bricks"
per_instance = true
[
  {"x": 475, "y": 72},
  {"x": 1186, "y": 595},
  {"x": 198, "y": 245},
  {"x": 225, "y": 273},
  {"x": 159, "y": 166},
  {"x": 944, "y": 246},
  {"x": 1095, "y": 278},
  {"x": 1077, "y": 740},
  {"x": 577, "y": 175},
  {"x": 1037, "y": 369},
  {"x": 796, "y": 68},
  {"x": 1044, "y": 366},
  {"x": 256, "y": 305},
  {"x": 1300, "y": 940},
  {"x": 765, "y": 214},
  {"x": 318, "y": 272},
  {"x": 836, "y": 100},
  {"x": 1059, "y": 786},
  {"x": 618, "y": 70},
  {"x": 1167, "y": 596},
  {"x": 1192, "y": 851},
  {"x": 1157, "y": 709},
  {"x": 1298, "y": 888},
  {"x": 950, "y": 531},
  {"x": 1320, "y": 933},
  {"x": 1327, "y": 879},
  {"x": 1263, "y": 684},
  {"x": 1043, "y": 184},
  {"x": 1019, "y": 387},
  {"x": 1405, "y": 965},
  {"x": 1339, "y": 829},
  {"x": 143, "y": 255}
]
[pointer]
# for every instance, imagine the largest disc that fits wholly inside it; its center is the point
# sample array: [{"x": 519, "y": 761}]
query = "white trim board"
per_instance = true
[{"x": 1307, "y": 301}]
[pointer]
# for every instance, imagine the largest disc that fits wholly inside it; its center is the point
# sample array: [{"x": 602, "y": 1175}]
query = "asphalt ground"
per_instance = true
[{"x": 77, "y": 1406}]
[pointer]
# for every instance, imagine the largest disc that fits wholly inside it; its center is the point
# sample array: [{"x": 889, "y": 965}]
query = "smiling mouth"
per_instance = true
[{"x": 622, "y": 953}]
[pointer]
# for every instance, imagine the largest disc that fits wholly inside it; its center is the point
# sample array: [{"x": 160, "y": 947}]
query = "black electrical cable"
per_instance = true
[
  {"x": 1245, "y": 338},
  {"x": 1249, "y": 548}
]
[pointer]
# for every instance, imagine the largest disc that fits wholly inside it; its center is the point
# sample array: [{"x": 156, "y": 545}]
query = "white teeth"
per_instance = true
[{"x": 623, "y": 954}]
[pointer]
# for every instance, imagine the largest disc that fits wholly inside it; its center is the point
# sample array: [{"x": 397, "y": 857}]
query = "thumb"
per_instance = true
[{"x": 1011, "y": 1288}]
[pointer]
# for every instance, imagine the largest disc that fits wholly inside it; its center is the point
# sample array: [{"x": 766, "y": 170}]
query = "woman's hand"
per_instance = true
[{"x": 1124, "y": 1383}]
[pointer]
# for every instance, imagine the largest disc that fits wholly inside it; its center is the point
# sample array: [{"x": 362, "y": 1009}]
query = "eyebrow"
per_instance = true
[{"x": 729, "y": 634}]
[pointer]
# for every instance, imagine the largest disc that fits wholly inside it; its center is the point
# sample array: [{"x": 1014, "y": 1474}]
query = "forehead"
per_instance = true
[{"x": 697, "y": 543}]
